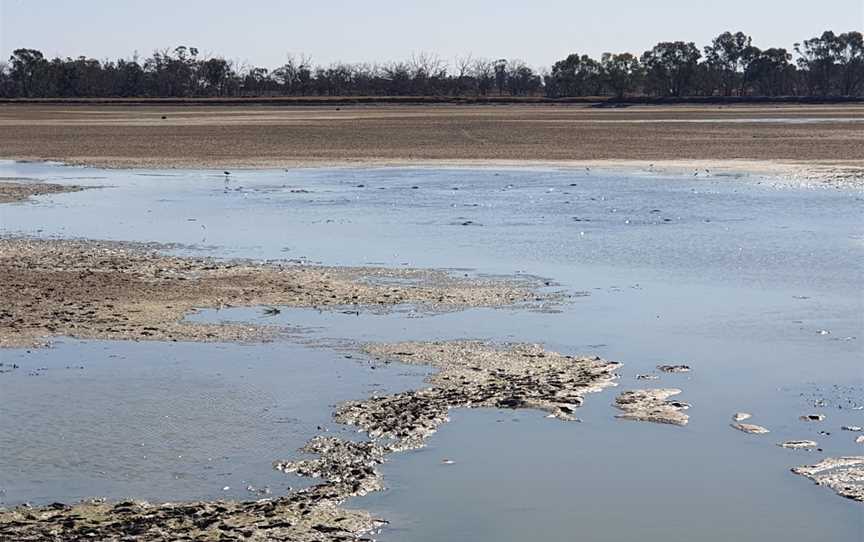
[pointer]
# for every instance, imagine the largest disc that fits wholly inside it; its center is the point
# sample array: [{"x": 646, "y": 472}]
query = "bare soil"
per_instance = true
[{"x": 262, "y": 136}]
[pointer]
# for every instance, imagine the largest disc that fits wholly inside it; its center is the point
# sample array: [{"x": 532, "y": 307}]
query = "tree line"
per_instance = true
[{"x": 827, "y": 65}]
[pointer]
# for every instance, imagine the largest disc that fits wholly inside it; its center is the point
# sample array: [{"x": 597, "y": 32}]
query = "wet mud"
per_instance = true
[
  {"x": 123, "y": 291},
  {"x": 15, "y": 190}
]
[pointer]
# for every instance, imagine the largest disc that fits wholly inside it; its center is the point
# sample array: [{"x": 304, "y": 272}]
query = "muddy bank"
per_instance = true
[
  {"x": 14, "y": 190},
  {"x": 469, "y": 374},
  {"x": 122, "y": 291}
]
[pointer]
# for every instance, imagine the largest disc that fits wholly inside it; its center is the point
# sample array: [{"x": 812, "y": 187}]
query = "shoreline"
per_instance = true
[
  {"x": 848, "y": 174},
  {"x": 793, "y": 140}
]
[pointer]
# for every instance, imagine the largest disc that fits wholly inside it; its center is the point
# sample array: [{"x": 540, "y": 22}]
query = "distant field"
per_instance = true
[{"x": 163, "y": 135}]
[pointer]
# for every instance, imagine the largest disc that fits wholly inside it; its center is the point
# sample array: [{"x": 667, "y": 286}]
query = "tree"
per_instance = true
[
  {"x": 215, "y": 72},
  {"x": 622, "y": 73},
  {"x": 500, "y": 68},
  {"x": 771, "y": 72},
  {"x": 484, "y": 73},
  {"x": 850, "y": 57},
  {"x": 670, "y": 67},
  {"x": 27, "y": 65},
  {"x": 576, "y": 76},
  {"x": 729, "y": 56},
  {"x": 521, "y": 79},
  {"x": 833, "y": 62}
]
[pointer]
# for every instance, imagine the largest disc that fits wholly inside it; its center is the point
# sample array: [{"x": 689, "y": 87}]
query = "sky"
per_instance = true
[{"x": 265, "y": 32}]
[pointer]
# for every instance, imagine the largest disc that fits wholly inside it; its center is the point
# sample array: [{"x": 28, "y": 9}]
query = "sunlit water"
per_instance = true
[{"x": 733, "y": 276}]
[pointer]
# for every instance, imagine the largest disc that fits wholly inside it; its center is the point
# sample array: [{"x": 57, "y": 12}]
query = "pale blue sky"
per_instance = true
[{"x": 263, "y": 32}]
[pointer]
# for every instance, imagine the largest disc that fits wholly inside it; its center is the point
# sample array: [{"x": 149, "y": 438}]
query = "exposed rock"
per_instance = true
[
  {"x": 844, "y": 475},
  {"x": 860, "y": 439},
  {"x": 741, "y": 416},
  {"x": 812, "y": 417},
  {"x": 652, "y": 406},
  {"x": 798, "y": 444},
  {"x": 854, "y": 428},
  {"x": 750, "y": 428}
]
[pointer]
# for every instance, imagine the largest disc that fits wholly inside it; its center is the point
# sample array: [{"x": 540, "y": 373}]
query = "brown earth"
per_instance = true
[{"x": 754, "y": 136}]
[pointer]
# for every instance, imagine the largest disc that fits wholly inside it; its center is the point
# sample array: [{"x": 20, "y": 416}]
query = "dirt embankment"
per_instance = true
[{"x": 101, "y": 290}]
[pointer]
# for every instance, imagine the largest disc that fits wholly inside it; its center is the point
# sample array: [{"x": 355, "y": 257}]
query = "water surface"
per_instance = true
[{"x": 736, "y": 276}]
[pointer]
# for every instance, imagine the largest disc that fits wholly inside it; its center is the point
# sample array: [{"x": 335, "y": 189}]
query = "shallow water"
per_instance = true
[{"x": 733, "y": 276}]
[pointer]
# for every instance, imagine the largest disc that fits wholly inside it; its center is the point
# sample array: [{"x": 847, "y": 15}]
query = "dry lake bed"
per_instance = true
[{"x": 430, "y": 353}]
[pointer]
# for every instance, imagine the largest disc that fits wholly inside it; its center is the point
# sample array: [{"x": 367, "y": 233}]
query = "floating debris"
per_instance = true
[
  {"x": 798, "y": 444},
  {"x": 750, "y": 428},
  {"x": 652, "y": 406},
  {"x": 741, "y": 416},
  {"x": 844, "y": 475},
  {"x": 860, "y": 439}
]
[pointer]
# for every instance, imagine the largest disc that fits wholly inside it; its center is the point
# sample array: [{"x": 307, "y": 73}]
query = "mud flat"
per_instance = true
[
  {"x": 102, "y": 290},
  {"x": 818, "y": 141},
  {"x": 14, "y": 190},
  {"x": 469, "y": 374}
]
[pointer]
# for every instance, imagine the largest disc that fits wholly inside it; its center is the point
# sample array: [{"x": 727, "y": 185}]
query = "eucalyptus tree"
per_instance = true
[
  {"x": 622, "y": 73},
  {"x": 670, "y": 67}
]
